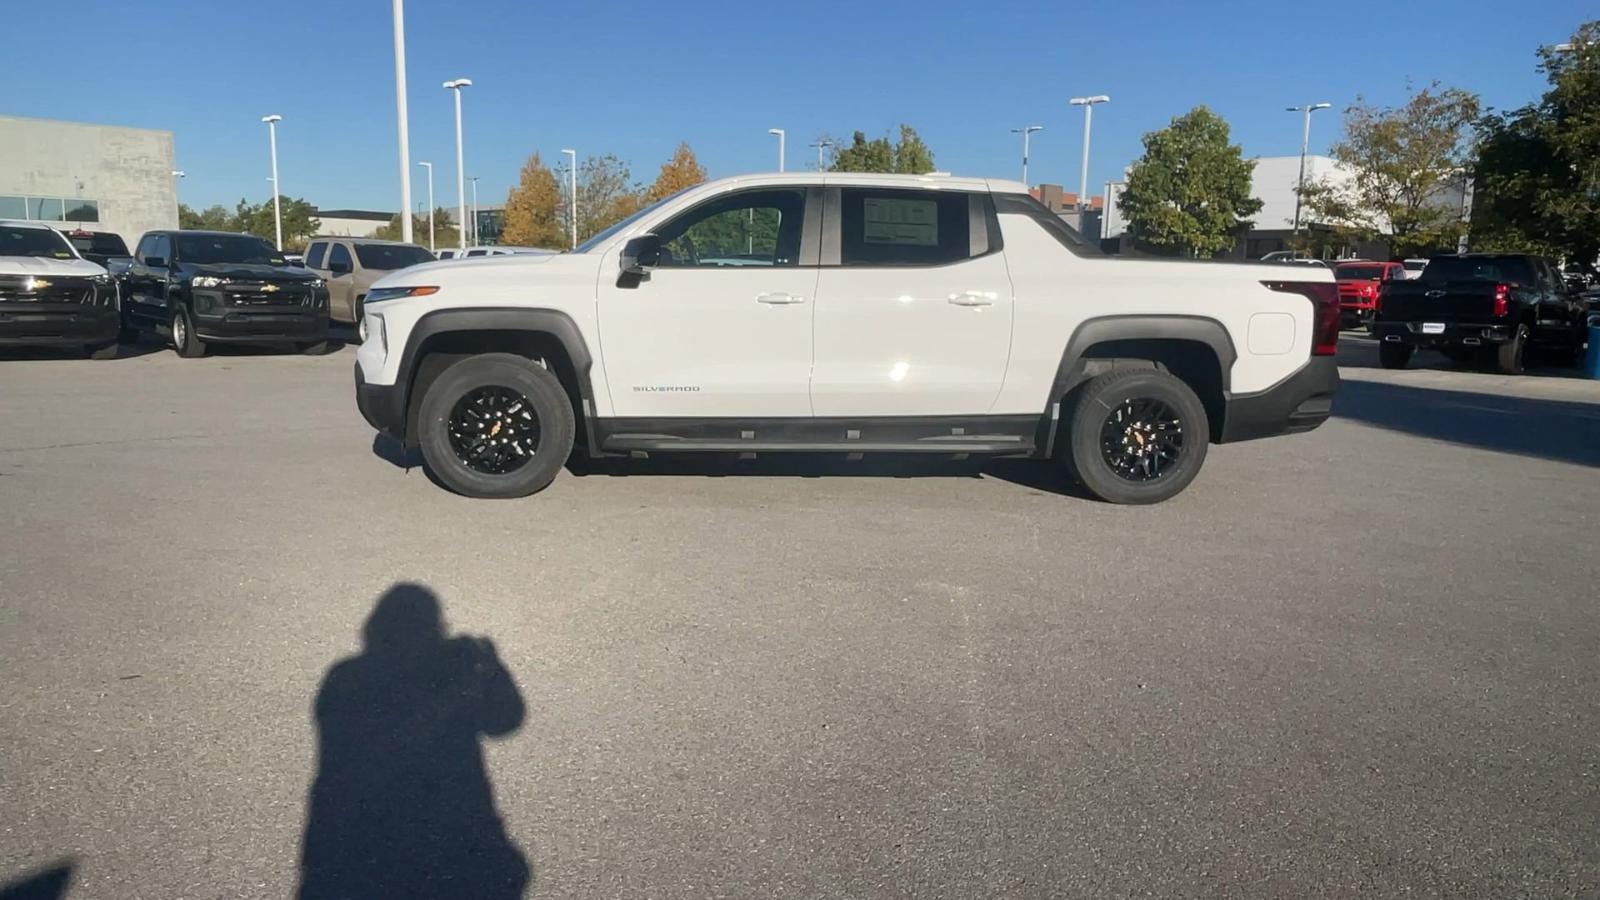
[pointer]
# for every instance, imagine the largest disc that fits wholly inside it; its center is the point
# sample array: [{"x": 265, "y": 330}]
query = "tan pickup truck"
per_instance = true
[{"x": 350, "y": 265}]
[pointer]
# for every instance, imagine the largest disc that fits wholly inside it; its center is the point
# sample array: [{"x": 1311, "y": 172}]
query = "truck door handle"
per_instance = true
[
  {"x": 779, "y": 298},
  {"x": 974, "y": 298}
]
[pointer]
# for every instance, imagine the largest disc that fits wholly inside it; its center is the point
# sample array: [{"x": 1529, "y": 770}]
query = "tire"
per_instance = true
[
  {"x": 1394, "y": 356},
  {"x": 1095, "y": 448},
  {"x": 315, "y": 348},
  {"x": 489, "y": 387},
  {"x": 184, "y": 340},
  {"x": 1508, "y": 357},
  {"x": 104, "y": 351}
]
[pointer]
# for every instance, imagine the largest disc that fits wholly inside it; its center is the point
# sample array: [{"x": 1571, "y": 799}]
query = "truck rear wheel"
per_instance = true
[
  {"x": 1136, "y": 436},
  {"x": 1394, "y": 356},
  {"x": 496, "y": 425}
]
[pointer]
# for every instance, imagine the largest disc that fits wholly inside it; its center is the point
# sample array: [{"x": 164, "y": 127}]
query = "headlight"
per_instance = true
[
  {"x": 317, "y": 282},
  {"x": 101, "y": 279},
  {"x": 208, "y": 281},
  {"x": 378, "y": 295}
]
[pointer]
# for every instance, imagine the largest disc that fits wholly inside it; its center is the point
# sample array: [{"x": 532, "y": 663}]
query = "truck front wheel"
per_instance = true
[
  {"x": 496, "y": 425},
  {"x": 184, "y": 340},
  {"x": 1137, "y": 436}
]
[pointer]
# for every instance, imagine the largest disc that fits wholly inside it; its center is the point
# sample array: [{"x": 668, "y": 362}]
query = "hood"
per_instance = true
[
  {"x": 459, "y": 271},
  {"x": 44, "y": 265},
  {"x": 249, "y": 272}
]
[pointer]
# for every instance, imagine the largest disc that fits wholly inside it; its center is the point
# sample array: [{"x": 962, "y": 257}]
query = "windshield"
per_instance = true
[
  {"x": 391, "y": 256},
  {"x": 1507, "y": 270},
  {"x": 604, "y": 236},
  {"x": 1358, "y": 273},
  {"x": 15, "y": 241},
  {"x": 209, "y": 249}
]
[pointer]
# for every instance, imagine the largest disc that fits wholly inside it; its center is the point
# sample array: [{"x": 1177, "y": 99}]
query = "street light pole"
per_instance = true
[
  {"x": 277, "y": 213},
  {"x": 1088, "y": 123},
  {"x": 820, "y": 144},
  {"x": 461, "y": 166},
  {"x": 1305, "y": 145},
  {"x": 400, "y": 115},
  {"x": 1025, "y": 132},
  {"x": 779, "y": 133},
  {"x": 429, "y": 167},
  {"x": 572, "y": 174},
  {"x": 476, "y": 240}
]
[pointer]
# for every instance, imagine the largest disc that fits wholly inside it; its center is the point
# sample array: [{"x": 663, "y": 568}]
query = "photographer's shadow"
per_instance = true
[{"x": 401, "y": 805}]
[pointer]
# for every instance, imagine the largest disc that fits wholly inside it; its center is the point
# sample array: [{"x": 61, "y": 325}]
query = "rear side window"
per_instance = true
[
  {"x": 903, "y": 228},
  {"x": 314, "y": 254}
]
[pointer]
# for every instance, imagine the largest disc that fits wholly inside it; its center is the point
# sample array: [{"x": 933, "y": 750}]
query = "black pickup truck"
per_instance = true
[
  {"x": 219, "y": 287},
  {"x": 1480, "y": 305}
]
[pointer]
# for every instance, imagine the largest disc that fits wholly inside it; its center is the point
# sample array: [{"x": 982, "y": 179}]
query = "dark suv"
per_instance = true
[{"x": 220, "y": 287}]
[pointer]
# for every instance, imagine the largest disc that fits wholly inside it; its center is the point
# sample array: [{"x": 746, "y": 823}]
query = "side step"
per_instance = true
[
  {"x": 663, "y": 444},
  {"x": 977, "y": 435}
]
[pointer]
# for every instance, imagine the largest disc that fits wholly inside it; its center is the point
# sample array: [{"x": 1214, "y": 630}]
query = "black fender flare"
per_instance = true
[{"x": 498, "y": 318}]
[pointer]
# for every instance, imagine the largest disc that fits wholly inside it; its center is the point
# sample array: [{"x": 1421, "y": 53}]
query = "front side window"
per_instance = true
[
  {"x": 339, "y": 258},
  {"x": 314, "y": 254},
  {"x": 749, "y": 228},
  {"x": 161, "y": 248},
  {"x": 388, "y": 257},
  {"x": 903, "y": 228},
  {"x": 209, "y": 249}
]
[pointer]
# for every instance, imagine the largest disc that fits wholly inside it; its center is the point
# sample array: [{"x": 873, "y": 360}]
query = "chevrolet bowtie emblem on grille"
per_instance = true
[
  {"x": 269, "y": 289},
  {"x": 1434, "y": 294}
]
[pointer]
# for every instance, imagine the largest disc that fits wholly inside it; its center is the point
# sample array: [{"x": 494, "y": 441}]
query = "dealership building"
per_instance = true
[{"x": 96, "y": 177}]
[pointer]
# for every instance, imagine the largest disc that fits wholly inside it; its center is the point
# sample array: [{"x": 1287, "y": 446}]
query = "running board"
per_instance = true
[
  {"x": 661, "y": 444},
  {"x": 978, "y": 435}
]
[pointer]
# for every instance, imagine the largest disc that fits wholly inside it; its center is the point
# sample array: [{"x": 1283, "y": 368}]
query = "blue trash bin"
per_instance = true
[{"x": 1591, "y": 361}]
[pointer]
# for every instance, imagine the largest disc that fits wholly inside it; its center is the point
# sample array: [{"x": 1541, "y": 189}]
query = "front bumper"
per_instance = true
[
  {"x": 218, "y": 320},
  {"x": 1298, "y": 403},
  {"x": 1455, "y": 334},
  {"x": 382, "y": 405},
  {"x": 57, "y": 324}
]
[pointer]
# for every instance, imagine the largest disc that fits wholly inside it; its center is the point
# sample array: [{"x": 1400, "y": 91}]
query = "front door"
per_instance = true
[
  {"x": 915, "y": 318},
  {"x": 341, "y": 280},
  {"x": 722, "y": 326}
]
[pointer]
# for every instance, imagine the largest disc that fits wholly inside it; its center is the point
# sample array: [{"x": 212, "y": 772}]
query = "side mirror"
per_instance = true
[
  {"x": 155, "y": 262},
  {"x": 339, "y": 268},
  {"x": 640, "y": 255}
]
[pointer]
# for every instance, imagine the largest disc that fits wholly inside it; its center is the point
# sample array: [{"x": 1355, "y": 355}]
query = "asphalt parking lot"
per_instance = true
[{"x": 1356, "y": 662}]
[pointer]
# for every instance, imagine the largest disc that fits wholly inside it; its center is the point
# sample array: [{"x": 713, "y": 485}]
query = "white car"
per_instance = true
[
  {"x": 50, "y": 296},
  {"x": 845, "y": 313}
]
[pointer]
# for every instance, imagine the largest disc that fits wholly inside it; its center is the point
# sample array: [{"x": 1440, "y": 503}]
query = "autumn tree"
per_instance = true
[
  {"x": 909, "y": 155},
  {"x": 445, "y": 233},
  {"x": 534, "y": 213},
  {"x": 679, "y": 172},
  {"x": 1189, "y": 193},
  {"x": 1404, "y": 167},
  {"x": 607, "y": 194}
]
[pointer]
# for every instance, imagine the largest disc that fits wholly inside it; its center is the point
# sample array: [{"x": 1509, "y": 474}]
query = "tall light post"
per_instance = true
[
  {"x": 400, "y": 116},
  {"x": 1088, "y": 123},
  {"x": 277, "y": 213},
  {"x": 461, "y": 167},
  {"x": 779, "y": 133},
  {"x": 1305, "y": 144},
  {"x": 572, "y": 194},
  {"x": 1025, "y": 132},
  {"x": 821, "y": 144},
  {"x": 429, "y": 167},
  {"x": 475, "y": 240}
]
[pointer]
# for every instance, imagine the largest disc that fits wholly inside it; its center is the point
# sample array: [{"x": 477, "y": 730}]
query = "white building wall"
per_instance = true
[
  {"x": 127, "y": 170},
  {"x": 337, "y": 227}
]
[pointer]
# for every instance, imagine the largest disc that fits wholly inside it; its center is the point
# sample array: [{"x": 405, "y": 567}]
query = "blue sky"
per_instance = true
[{"x": 634, "y": 79}]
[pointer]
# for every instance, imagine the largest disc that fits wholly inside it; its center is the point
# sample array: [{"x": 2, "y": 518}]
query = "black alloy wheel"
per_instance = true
[
  {"x": 1142, "y": 440},
  {"x": 494, "y": 430}
]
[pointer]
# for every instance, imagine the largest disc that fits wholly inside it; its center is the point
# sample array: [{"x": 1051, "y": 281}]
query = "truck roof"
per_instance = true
[{"x": 882, "y": 179}]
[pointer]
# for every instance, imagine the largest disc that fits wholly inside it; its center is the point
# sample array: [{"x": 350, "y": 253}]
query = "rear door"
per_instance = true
[{"x": 914, "y": 304}]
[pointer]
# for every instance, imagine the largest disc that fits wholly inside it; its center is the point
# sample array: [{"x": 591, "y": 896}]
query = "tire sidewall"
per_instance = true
[
  {"x": 534, "y": 382},
  {"x": 1104, "y": 394}
]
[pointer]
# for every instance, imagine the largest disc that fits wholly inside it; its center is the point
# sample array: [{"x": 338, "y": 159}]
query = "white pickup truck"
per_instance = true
[{"x": 845, "y": 313}]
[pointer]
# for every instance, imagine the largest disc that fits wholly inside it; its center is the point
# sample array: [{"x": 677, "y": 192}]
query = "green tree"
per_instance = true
[
  {"x": 533, "y": 209},
  {"x": 300, "y": 221},
  {"x": 683, "y": 170},
  {"x": 1189, "y": 193},
  {"x": 910, "y": 155},
  {"x": 1404, "y": 163},
  {"x": 607, "y": 194},
  {"x": 212, "y": 218},
  {"x": 1537, "y": 178},
  {"x": 444, "y": 229}
]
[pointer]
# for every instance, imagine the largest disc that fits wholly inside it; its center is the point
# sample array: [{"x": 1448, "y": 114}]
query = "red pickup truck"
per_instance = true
[{"x": 1360, "y": 282}]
